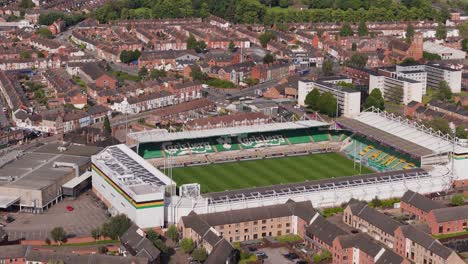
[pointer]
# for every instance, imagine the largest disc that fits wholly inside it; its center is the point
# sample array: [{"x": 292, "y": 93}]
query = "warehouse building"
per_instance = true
[
  {"x": 129, "y": 185},
  {"x": 33, "y": 181}
]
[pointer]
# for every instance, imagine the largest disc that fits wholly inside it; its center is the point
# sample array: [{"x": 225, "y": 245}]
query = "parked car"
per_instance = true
[
  {"x": 70, "y": 208},
  {"x": 261, "y": 255},
  {"x": 301, "y": 261},
  {"x": 252, "y": 249},
  {"x": 291, "y": 256}
]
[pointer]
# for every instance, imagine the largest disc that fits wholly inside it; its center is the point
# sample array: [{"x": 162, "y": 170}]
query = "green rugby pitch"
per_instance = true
[{"x": 256, "y": 173}]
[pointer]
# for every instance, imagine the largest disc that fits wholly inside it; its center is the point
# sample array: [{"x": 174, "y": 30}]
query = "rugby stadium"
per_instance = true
[{"x": 372, "y": 154}]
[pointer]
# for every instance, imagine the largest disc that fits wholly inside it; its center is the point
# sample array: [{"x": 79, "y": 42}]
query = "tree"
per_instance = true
[
  {"x": 463, "y": 29},
  {"x": 312, "y": 99},
  {"x": 327, "y": 68},
  {"x": 443, "y": 92},
  {"x": 409, "y": 33},
  {"x": 269, "y": 58},
  {"x": 191, "y": 42},
  {"x": 376, "y": 202},
  {"x": 40, "y": 54},
  {"x": 284, "y": 3},
  {"x": 96, "y": 233},
  {"x": 157, "y": 241},
  {"x": 375, "y": 99},
  {"x": 197, "y": 74},
  {"x": 232, "y": 46},
  {"x": 353, "y": 46},
  {"x": 460, "y": 132},
  {"x": 252, "y": 81},
  {"x": 266, "y": 37},
  {"x": 457, "y": 200},
  {"x": 346, "y": 30},
  {"x": 199, "y": 254},
  {"x": 47, "y": 241},
  {"x": 58, "y": 234},
  {"x": 44, "y": 32},
  {"x": 25, "y": 54},
  {"x": 152, "y": 235},
  {"x": 358, "y": 60},
  {"x": 327, "y": 104},
  {"x": 362, "y": 29},
  {"x": 116, "y": 226},
  {"x": 172, "y": 233},
  {"x": 127, "y": 56},
  {"x": 26, "y": 4},
  {"x": 157, "y": 74},
  {"x": 439, "y": 124},
  {"x": 441, "y": 31},
  {"x": 143, "y": 72},
  {"x": 187, "y": 245},
  {"x": 465, "y": 44},
  {"x": 201, "y": 46},
  {"x": 107, "y": 126}
]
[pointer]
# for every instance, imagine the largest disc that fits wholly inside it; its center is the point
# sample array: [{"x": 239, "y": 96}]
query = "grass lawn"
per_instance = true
[{"x": 255, "y": 173}]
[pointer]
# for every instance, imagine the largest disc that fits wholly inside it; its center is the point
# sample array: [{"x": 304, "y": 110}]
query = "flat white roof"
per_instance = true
[
  {"x": 77, "y": 180},
  {"x": 7, "y": 201},
  {"x": 439, "y": 49},
  {"x": 159, "y": 135},
  {"x": 130, "y": 172}
]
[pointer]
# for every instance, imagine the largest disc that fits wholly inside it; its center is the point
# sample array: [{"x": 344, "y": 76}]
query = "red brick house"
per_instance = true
[
  {"x": 448, "y": 220},
  {"x": 418, "y": 205},
  {"x": 95, "y": 74}
]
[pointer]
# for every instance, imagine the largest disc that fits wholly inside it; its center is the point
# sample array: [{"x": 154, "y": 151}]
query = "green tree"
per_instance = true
[
  {"x": 358, "y": 60},
  {"x": 201, "y": 46},
  {"x": 143, "y": 72},
  {"x": 192, "y": 42},
  {"x": 457, "y": 200},
  {"x": 465, "y": 44},
  {"x": 376, "y": 202},
  {"x": 284, "y": 3},
  {"x": 172, "y": 233},
  {"x": 409, "y": 33},
  {"x": 232, "y": 46},
  {"x": 116, "y": 226},
  {"x": 463, "y": 28},
  {"x": 96, "y": 233},
  {"x": 199, "y": 254},
  {"x": 327, "y": 68},
  {"x": 26, "y": 4},
  {"x": 441, "y": 31},
  {"x": 439, "y": 124},
  {"x": 156, "y": 74},
  {"x": 375, "y": 99},
  {"x": 58, "y": 234},
  {"x": 362, "y": 29},
  {"x": 353, "y": 46},
  {"x": 268, "y": 58},
  {"x": 346, "y": 30},
  {"x": 25, "y": 54},
  {"x": 460, "y": 132},
  {"x": 197, "y": 74},
  {"x": 327, "y": 104},
  {"x": 266, "y": 37},
  {"x": 107, "y": 126},
  {"x": 44, "y": 32},
  {"x": 187, "y": 245},
  {"x": 326, "y": 255},
  {"x": 312, "y": 99},
  {"x": 252, "y": 81},
  {"x": 443, "y": 92},
  {"x": 249, "y": 11},
  {"x": 204, "y": 10}
]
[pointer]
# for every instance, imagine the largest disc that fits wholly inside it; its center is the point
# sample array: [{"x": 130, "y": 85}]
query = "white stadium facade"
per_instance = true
[{"x": 131, "y": 185}]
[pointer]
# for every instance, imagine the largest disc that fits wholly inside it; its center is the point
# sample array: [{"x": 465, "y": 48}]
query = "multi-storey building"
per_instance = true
[{"x": 349, "y": 100}]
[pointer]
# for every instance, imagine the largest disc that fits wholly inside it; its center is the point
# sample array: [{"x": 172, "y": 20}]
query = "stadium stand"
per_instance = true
[
  {"x": 245, "y": 141},
  {"x": 377, "y": 156}
]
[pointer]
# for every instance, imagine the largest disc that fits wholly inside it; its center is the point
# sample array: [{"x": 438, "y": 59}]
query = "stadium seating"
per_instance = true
[
  {"x": 243, "y": 141},
  {"x": 297, "y": 136},
  {"x": 377, "y": 156},
  {"x": 320, "y": 136}
]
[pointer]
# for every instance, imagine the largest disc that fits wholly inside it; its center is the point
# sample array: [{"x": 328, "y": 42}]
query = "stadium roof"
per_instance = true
[
  {"x": 401, "y": 133},
  {"x": 160, "y": 135},
  {"x": 312, "y": 186},
  {"x": 382, "y": 136},
  {"x": 129, "y": 171}
]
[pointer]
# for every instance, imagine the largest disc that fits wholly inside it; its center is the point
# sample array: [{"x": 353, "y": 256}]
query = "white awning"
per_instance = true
[
  {"x": 7, "y": 201},
  {"x": 77, "y": 180}
]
